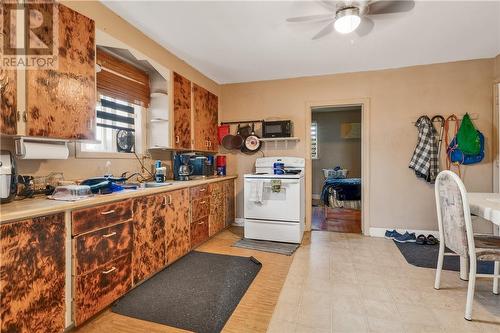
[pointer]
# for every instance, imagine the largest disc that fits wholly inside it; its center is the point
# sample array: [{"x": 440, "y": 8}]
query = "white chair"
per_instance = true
[{"x": 455, "y": 232}]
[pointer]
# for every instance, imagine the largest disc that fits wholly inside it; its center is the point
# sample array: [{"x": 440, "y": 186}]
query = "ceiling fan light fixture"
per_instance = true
[{"x": 347, "y": 20}]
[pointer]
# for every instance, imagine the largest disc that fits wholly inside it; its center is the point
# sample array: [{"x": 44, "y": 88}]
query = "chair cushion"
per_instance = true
[{"x": 487, "y": 247}]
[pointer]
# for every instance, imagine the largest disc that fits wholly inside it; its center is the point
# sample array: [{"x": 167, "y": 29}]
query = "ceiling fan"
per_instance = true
[{"x": 348, "y": 16}]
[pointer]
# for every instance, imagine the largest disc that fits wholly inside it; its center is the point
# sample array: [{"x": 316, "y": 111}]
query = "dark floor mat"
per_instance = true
[
  {"x": 427, "y": 255},
  {"x": 197, "y": 293}
]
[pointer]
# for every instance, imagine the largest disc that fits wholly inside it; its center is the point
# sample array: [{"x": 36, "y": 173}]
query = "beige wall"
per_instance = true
[
  {"x": 112, "y": 24},
  {"x": 397, "y": 97},
  {"x": 333, "y": 149}
]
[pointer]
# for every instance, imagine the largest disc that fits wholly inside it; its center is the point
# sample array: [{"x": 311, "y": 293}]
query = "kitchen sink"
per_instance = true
[{"x": 154, "y": 184}]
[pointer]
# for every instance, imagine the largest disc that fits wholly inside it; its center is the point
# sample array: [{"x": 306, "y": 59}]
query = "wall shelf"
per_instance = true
[
  {"x": 294, "y": 138},
  {"x": 286, "y": 140}
]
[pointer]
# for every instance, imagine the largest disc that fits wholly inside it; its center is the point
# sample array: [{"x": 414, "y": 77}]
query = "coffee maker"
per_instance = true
[
  {"x": 182, "y": 167},
  {"x": 8, "y": 177}
]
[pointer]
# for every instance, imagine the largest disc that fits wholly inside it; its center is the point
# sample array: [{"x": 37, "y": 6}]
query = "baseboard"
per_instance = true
[
  {"x": 380, "y": 232},
  {"x": 239, "y": 222},
  {"x": 316, "y": 196}
]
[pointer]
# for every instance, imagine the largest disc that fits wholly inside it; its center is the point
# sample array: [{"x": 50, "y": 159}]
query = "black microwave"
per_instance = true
[{"x": 277, "y": 129}]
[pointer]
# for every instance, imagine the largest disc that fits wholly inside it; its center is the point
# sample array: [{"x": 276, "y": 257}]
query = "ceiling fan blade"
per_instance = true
[
  {"x": 325, "y": 31},
  {"x": 390, "y": 7},
  {"x": 365, "y": 27},
  {"x": 310, "y": 18},
  {"x": 328, "y": 4}
]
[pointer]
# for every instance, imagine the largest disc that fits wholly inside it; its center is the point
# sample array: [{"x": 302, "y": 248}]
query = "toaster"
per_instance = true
[{"x": 8, "y": 177}]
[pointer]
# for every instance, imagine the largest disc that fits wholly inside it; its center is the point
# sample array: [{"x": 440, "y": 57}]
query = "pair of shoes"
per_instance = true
[
  {"x": 429, "y": 240},
  {"x": 406, "y": 238},
  {"x": 391, "y": 234}
]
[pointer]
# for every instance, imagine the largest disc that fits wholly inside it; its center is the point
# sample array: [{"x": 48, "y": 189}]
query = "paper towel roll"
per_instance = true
[{"x": 44, "y": 151}]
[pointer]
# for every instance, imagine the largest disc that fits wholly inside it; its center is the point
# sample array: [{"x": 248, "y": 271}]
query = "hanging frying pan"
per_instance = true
[
  {"x": 227, "y": 141},
  {"x": 237, "y": 140},
  {"x": 252, "y": 143}
]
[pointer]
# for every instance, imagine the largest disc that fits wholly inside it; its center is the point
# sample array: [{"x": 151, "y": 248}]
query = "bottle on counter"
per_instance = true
[{"x": 160, "y": 172}]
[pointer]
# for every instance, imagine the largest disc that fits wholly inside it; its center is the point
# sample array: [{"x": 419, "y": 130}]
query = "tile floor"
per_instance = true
[{"x": 341, "y": 282}]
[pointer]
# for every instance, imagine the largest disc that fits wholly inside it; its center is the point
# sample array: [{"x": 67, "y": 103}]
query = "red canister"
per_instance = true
[{"x": 220, "y": 162}]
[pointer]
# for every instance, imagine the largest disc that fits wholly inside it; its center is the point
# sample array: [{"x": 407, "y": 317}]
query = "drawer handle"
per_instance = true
[
  {"x": 112, "y": 269},
  {"x": 200, "y": 222},
  {"x": 202, "y": 202},
  {"x": 108, "y": 212},
  {"x": 203, "y": 189},
  {"x": 109, "y": 235},
  {"x": 177, "y": 139},
  {"x": 170, "y": 199}
]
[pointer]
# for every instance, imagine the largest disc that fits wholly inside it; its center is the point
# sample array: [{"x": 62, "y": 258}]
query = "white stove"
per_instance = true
[{"x": 275, "y": 204}]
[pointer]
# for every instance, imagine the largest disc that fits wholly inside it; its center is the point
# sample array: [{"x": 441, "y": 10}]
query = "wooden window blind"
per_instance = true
[{"x": 122, "y": 81}]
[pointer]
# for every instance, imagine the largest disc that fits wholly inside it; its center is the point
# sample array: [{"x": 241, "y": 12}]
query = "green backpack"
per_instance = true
[{"x": 468, "y": 137}]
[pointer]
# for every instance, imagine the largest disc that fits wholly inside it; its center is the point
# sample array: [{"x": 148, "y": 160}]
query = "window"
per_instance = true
[
  {"x": 314, "y": 141},
  {"x": 118, "y": 127}
]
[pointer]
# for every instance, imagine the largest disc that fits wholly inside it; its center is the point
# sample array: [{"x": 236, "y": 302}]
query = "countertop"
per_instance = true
[{"x": 27, "y": 208}]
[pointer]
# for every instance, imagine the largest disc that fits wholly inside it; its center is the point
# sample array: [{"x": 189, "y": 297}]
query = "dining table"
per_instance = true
[{"x": 487, "y": 207}]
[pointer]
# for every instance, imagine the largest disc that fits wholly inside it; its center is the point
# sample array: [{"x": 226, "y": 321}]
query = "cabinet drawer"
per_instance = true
[
  {"x": 200, "y": 208},
  {"x": 99, "y": 247},
  {"x": 100, "y": 288},
  {"x": 199, "y": 232},
  {"x": 88, "y": 219},
  {"x": 199, "y": 191}
]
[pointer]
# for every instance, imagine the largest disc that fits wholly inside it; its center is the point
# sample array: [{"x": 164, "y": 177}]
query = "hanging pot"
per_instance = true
[{"x": 252, "y": 142}]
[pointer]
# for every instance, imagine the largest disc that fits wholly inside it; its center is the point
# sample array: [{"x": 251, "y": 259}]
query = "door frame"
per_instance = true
[{"x": 365, "y": 156}]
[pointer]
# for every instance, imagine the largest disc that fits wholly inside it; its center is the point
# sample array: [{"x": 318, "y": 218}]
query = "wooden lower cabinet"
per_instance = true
[
  {"x": 32, "y": 275},
  {"x": 199, "y": 231},
  {"x": 178, "y": 225},
  {"x": 149, "y": 254},
  {"x": 94, "y": 249},
  {"x": 96, "y": 290},
  {"x": 229, "y": 211},
  {"x": 217, "y": 208}
]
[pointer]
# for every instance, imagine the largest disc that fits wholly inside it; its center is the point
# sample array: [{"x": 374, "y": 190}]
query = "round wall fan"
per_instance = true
[
  {"x": 348, "y": 16},
  {"x": 125, "y": 141}
]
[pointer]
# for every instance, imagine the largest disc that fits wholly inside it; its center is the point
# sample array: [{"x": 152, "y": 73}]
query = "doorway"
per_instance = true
[{"x": 335, "y": 146}]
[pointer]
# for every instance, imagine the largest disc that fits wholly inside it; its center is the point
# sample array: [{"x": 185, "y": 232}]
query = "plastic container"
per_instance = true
[
  {"x": 279, "y": 168},
  {"x": 332, "y": 173},
  {"x": 71, "y": 192}
]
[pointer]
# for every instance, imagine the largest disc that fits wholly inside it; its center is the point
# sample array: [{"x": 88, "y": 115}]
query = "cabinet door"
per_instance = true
[
  {"x": 217, "y": 204},
  {"x": 182, "y": 112},
  {"x": 229, "y": 213},
  {"x": 199, "y": 231},
  {"x": 178, "y": 225},
  {"x": 8, "y": 106},
  {"x": 149, "y": 236},
  {"x": 61, "y": 103},
  {"x": 213, "y": 110},
  {"x": 96, "y": 290},
  {"x": 202, "y": 118},
  {"x": 32, "y": 275}
]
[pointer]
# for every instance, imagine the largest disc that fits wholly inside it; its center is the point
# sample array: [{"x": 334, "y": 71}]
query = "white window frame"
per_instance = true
[
  {"x": 314, "y": 132},
  {"x": 140, "y": 141}
]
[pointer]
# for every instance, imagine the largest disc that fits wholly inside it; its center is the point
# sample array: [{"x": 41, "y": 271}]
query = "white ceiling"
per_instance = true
[{"x": 240, "y": 41}]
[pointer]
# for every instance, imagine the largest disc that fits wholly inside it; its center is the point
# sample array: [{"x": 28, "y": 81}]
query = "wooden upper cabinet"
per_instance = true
[
  {"x": 178, "y": 225},
  {"x": 149, "y": 254},
  {"x": 182, "y": 112},
  {"x": 8, "y": 106},
  {"x": 205, "y": 109},
  {"x": 61, "y": 103},
  {"x": 32, "y": 275}
]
